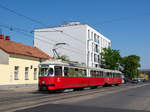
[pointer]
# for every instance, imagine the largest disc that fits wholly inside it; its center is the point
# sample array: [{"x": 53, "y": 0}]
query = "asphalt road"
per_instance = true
[{"x": 135, "y": 99}]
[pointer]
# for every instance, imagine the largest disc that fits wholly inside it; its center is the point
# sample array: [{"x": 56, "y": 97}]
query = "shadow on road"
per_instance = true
[{"x": 71, "y": 108}]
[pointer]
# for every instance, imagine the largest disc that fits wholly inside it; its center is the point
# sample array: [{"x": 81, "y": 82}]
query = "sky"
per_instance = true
[{"x": 125, "y": 22}]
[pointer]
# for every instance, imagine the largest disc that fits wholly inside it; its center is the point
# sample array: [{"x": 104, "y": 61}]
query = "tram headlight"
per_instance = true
[{"x": 43, "y": 82}]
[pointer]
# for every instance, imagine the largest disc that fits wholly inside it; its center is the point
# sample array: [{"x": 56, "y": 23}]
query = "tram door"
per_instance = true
[{"x": 58, "y": 74}]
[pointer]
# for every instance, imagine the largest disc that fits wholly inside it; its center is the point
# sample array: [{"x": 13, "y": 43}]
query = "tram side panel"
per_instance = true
[
  {"x": 70, "y": 82},
  {"x": 96, "y": 78}
]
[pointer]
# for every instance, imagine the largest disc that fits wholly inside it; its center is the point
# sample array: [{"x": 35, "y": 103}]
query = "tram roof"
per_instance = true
[
  {"x": 54, "y": 62},
  {"x": 61, "y": 63},
  {"x": 65, "y": 63}
]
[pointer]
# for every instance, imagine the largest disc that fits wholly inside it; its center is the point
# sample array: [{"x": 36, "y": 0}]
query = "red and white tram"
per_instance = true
[{"x": 57, "y": 75}]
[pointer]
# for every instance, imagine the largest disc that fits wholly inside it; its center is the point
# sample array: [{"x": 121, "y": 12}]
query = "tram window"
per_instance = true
[
  {"x": 71, "y": 72},
  {"x": 50, "y": 71},
  {"x": 58, "y": 70},
  {"x": 99, "y": 74},
  {"x": 94, "y": 73},
  {"x": 84, "y": 73},
  {"x": 76, "y": 72},
  {"x": 115, "y": 75},
  {"x": 66, "y": 71},
  {"x": 119, "y": 75},
  {"x": 111, "y": 75},
  {"x": 107, "y": 74},
  {"x": 80, "y": 74},
  {"x": 43, "y": 71},
  {"x": 91, "y": 73},
  {"x": 102, "y": 73}
]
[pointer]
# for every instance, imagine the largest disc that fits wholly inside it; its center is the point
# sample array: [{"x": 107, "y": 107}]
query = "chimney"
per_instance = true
[
  {"x": 2, "y": 36},
  {"x": 7, "y": 37}
]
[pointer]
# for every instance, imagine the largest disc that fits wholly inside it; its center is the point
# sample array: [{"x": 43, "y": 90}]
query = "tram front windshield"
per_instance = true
[{"x": 46, "y": 71}]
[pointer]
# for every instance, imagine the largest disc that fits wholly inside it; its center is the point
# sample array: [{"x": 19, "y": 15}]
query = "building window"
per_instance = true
[
  {"x": 16, "y": 71},
  {"x": 88, "y": 34},
  {"x": 92, "y": 57},
  {"x": 96, "y": 48},
  {"x": 98, "y": 58},
  {"x": 26, "y": 73},
  {"x": 35, "y": 73},
  {"x": 95, "y": 58},
  {"x": 94, "y": 37},
  {"x": 98, "y": 39},
  {"x": 96, "y": 65},
  {"x": 91, "y": 35}
]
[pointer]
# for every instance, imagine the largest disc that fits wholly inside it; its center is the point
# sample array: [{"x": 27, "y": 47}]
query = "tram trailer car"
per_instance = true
[{"x": 58, "y": 75}]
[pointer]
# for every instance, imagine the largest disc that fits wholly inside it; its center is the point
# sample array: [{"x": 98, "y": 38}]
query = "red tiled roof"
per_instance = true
[{"x": 21, "y": 49}]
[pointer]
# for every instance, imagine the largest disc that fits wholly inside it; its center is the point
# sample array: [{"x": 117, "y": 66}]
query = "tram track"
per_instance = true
[
  {"x": 49, "y": 95},
  {"x": 49, "y": 98},
  {"x": 46, "y": 94}
]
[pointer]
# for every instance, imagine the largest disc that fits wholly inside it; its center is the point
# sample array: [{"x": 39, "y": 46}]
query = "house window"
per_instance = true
[
  {"x": 16, "y": 71},
  {"x": 35, "y": 73},
  {"x": 26, "y": 73}
]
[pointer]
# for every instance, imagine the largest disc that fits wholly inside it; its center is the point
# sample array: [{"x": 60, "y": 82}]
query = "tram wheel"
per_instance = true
[
  {"x": 105, "y": 85},
  {"x": 78, "y": 89},
  {"x": 93, "y": 87},
  {"x": 116, "y": 84}
]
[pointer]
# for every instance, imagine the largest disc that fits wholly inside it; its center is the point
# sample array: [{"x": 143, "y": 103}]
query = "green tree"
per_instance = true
[
  {"x": 110, "y": 59},
  {"x": 64, "y": 58},
  {"x": 130, "y": 65}
]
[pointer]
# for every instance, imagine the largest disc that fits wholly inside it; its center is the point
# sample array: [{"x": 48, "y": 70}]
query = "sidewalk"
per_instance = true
[{"x": 19, "y": 89}]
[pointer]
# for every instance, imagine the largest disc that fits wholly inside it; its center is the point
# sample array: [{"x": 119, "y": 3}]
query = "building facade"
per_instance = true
[
  {"x": 83, "y": 43},
  {"x": 145, "y": 73},
  {"x": 19, "y": 64}
]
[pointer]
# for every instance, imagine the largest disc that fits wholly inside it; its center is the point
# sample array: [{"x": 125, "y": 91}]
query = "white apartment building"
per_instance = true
[{"x": 83, "y": 43}]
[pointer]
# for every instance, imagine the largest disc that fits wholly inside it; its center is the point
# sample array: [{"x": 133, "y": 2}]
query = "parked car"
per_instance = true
[
  {"x": 144, "y": 80},
  {"x": 135, "y": 81}
]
